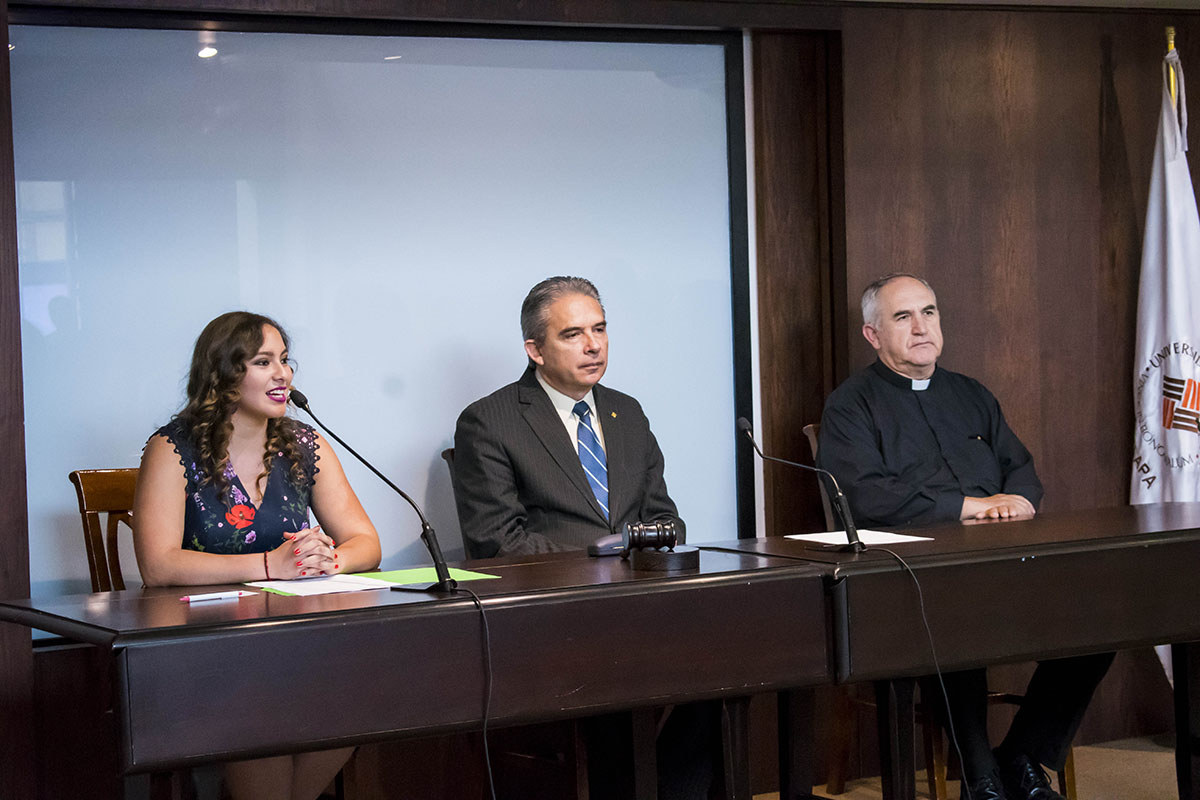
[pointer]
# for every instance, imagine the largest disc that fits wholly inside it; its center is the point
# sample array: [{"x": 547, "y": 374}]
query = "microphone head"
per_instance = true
[
  {"x": 298, "y": 399},
  {"x": 744, "y": 426}
]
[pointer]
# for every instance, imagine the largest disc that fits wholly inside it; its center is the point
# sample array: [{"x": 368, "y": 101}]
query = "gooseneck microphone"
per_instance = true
[
  {"x": 428, "y": 536},
  {"x": 839, "y": 499}
]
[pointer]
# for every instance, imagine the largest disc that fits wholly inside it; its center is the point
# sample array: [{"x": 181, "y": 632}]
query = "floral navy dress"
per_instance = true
[{"x": 212, "y": 525}]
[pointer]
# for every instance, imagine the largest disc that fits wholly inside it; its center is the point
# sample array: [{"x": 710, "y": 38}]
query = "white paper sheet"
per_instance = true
[
  {"x": 865, "y": 536},
  {"x": 330, "y": 584}
]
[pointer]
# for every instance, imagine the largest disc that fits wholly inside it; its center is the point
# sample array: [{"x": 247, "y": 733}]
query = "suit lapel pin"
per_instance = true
[{"x": 614, "y": 415}]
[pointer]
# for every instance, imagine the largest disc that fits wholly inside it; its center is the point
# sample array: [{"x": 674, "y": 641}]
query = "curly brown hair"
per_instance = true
[{"x": 214, "y": 390}]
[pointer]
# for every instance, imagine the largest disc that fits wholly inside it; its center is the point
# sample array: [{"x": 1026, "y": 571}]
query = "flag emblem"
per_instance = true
[{"x": 1181, "y": 404}]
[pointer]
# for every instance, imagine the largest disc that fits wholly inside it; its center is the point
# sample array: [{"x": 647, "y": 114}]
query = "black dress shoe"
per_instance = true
[
  {"x": 1024, "y": 780},
  {"x": 989, "y": 787}
]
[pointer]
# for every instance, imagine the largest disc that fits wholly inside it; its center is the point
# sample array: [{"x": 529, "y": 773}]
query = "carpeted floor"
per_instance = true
[{"x": 1132, "y": 769}]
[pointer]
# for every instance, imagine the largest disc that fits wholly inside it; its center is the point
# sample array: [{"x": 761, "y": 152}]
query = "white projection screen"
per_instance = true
[{"x": 390, "y": 199}]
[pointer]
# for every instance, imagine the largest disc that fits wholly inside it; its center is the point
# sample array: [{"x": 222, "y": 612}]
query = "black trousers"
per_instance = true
[{"x": 1047, "y": 720}]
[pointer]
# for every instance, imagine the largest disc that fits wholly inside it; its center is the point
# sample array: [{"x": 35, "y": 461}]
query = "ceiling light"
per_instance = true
[{"x": 207, "y": 41}]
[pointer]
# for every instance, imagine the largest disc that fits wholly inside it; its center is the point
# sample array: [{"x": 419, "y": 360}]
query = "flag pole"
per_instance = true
[{"x": 1171, "y": 73}]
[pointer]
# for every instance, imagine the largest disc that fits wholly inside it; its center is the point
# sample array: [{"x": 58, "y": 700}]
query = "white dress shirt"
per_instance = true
[{"x": 565, "y": 407}]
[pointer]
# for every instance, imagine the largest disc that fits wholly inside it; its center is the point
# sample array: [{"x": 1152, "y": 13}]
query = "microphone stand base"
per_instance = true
[
  {"x": 856, "y": 547},
  {"x": 426, "y": 588}
]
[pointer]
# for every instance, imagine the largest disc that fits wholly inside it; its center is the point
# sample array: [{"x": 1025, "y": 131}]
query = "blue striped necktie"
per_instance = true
[{"x": 591, "y": 456}]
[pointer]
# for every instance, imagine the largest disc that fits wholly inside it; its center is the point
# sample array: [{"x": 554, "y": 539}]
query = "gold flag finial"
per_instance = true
[{"x": 1171, "y": 73}]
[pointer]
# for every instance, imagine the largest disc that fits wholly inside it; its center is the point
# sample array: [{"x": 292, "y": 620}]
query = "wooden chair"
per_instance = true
[
  {"x": 842, "y": 735},
  {"x": 108, "y": 492}
]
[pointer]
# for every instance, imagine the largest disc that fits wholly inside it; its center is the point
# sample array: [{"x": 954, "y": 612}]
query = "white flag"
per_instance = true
[{"x": 1166, "y": 381}]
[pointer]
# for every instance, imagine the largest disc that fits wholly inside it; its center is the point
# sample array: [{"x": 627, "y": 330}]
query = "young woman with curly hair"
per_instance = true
[{"x": 223, "y": 496}]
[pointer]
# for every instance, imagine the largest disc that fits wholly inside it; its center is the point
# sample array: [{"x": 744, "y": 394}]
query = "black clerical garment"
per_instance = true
[{"x": 909, "y": 457}]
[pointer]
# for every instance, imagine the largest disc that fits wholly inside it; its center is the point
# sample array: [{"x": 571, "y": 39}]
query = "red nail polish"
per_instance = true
[
  {"x": 337, "y": 566},
  {"x": 298, "y": 563},
  {"x": 296, "y": 551},
  {"x": 302, "y": 572}
]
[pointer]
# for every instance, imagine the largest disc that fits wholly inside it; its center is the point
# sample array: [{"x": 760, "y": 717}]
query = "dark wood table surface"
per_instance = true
[
  {"x": 570, "y": 636},
  {"x": 1055, "y": 585}
]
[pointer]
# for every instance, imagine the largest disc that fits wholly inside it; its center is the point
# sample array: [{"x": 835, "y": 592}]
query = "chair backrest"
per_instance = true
[
  {"x": 448, "y": 457},
  {"x": 813, "y": 432},
  {"x": 110, "y": 492}
]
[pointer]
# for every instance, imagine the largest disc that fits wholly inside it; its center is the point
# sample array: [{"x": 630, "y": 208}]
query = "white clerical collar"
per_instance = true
[{"x": 901, "y": 381}]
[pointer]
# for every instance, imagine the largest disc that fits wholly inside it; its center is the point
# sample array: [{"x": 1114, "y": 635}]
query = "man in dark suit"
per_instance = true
[{"x": 555, "y": 460}]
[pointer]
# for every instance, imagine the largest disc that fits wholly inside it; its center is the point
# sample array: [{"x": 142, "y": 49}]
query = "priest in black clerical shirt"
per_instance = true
[{"x": 914, "y": 444}]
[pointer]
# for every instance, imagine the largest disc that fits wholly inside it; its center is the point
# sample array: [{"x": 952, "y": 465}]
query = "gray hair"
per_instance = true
[
  {"x": 535, "y": 311},
  {"x": 870, "y": 296}
]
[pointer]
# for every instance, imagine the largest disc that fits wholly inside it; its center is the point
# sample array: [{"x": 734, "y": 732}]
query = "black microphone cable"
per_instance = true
[
  {"x": 937, "y": 668},
  {"x": 487, "y": 685}
]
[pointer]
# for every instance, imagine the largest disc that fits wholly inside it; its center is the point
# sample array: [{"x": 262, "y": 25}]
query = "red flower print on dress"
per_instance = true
[{"x": 240, "y": 516}]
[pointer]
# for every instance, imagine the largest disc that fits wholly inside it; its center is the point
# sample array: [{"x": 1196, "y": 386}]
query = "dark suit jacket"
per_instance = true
[{"x": 520, "y": 488}]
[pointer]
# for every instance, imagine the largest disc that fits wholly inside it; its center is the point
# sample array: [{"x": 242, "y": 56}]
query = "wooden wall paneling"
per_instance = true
[
  {"x": 937, "y": 182},
  {"x": 1064, "y": 202},
  {"x": 16, "y": 650},
  {"x": 798, "y": 221},
  {"x": 884, "y": 173},
  {"x": 840, "y": 325},
  {"x": 1124, "y": 130}
]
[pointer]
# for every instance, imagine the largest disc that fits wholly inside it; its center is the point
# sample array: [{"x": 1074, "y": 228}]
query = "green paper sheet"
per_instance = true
[{"x": 425, "y": 575}]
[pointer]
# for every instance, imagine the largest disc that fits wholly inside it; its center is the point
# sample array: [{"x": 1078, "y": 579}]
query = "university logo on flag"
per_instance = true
[
  {"x": 1167, "y": 407},
  {"x": 1181, "y": 404}
]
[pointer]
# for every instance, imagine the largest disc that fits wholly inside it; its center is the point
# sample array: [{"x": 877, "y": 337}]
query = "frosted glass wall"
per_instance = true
[{"x": 390, "y": 200}]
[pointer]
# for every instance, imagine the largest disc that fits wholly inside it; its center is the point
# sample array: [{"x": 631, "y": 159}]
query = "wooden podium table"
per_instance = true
[
  {"x": 571, "y": 636},
  {"x": 1056, "y": 585}
]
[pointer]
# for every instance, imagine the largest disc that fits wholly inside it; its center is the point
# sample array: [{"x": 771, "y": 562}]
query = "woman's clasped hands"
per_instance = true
[{"x": 307, "y": 553}]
